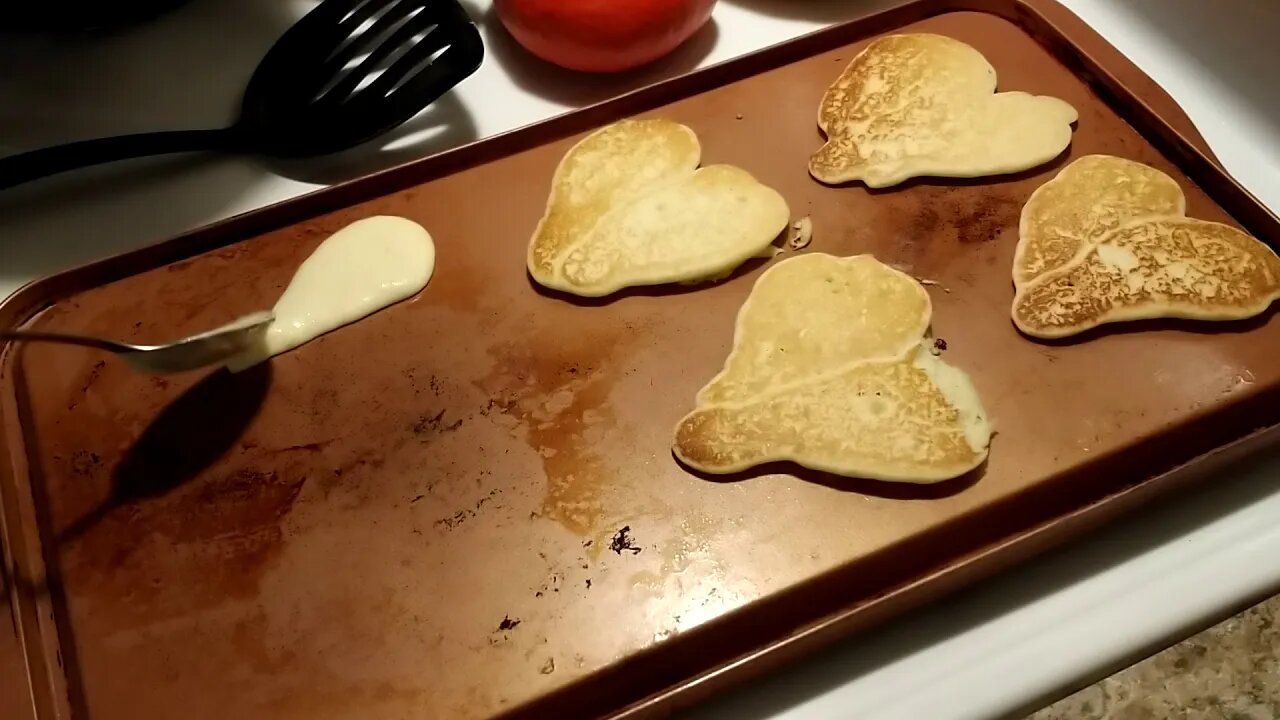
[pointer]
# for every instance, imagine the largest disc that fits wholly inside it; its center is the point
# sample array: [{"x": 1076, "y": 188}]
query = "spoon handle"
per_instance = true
[
  {"x": 84, "y": 340},
  {"x": 35, "y": 164}
]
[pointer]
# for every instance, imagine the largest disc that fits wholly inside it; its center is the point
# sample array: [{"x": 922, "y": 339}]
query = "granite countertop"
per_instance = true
[{"x": 1229, "y": 672}]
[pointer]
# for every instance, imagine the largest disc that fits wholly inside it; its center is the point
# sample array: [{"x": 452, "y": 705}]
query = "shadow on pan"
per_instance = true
[
  {"x": 1181, "y": 325},
  {"x": 664, "y": 290},
  {"x": 1045, "y": 170},
  {"x": 185, "y": 438},
  {"x": 862, "y": 486}
]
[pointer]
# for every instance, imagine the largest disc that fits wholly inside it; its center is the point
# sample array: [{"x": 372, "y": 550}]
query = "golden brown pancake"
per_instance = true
[
  {"x": 627, "y": 207},
  {"x": 816, "y": 313},
  {"x": 923, "y": 105},
  {"x": 828, "y": 371},
  {"x": 1088, "y": 199},
  {"x": 1167, "y": 267},
  {"x": 1106, "y": 241}
]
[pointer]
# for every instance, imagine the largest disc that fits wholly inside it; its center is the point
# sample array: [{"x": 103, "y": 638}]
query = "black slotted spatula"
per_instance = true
[{"x": 348, "y": 71}]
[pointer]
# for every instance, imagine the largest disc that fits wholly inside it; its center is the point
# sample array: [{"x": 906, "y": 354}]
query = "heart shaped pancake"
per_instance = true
[
  {"x": 923, "y": 105},
  {"x": 830, "y": 370}
]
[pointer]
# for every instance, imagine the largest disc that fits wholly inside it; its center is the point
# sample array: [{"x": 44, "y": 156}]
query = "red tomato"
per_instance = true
[{"x": 602, "y": 35}]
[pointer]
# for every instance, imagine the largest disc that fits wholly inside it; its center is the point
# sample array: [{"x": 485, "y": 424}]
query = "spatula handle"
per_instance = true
[{"x": 27, "y": 166}]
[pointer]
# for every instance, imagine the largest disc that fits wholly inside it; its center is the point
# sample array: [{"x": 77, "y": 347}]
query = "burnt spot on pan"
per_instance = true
[
  {"x": 623, "y": 542},
  {"x": 95, "y": 372},
  {"x": 930, "y": 224},
  {"x": 970, "y": 215},
  {"x": 349, "y": 477},
  {"x": 503, "y": 632},
  {"x": 325, "y": 405},
  {"x": 85, "y": 463},
  {"x": 244, "y": 499},
  {"x": 460, "y": 516},
  {"x": 987, "y": 218},
  {"x": 430, "y": 424},
  {"x": 423, "y": 385},
  {"x": 921, "y": 227}
]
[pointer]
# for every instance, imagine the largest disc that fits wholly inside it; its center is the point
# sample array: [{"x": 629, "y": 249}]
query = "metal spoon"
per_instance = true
[
  {"x": 345, "y": 73},
  {"x": 210, "y": 348}
]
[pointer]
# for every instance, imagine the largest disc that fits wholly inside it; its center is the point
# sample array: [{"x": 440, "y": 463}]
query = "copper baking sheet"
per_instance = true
[{"x": 465, "y": 506}]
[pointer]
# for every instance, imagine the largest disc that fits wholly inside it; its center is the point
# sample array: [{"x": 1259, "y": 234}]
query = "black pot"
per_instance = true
[{"x": 59, "y": 16}]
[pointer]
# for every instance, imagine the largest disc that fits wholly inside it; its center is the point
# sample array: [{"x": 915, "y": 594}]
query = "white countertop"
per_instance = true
[{"x": 995, "y": 650}]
